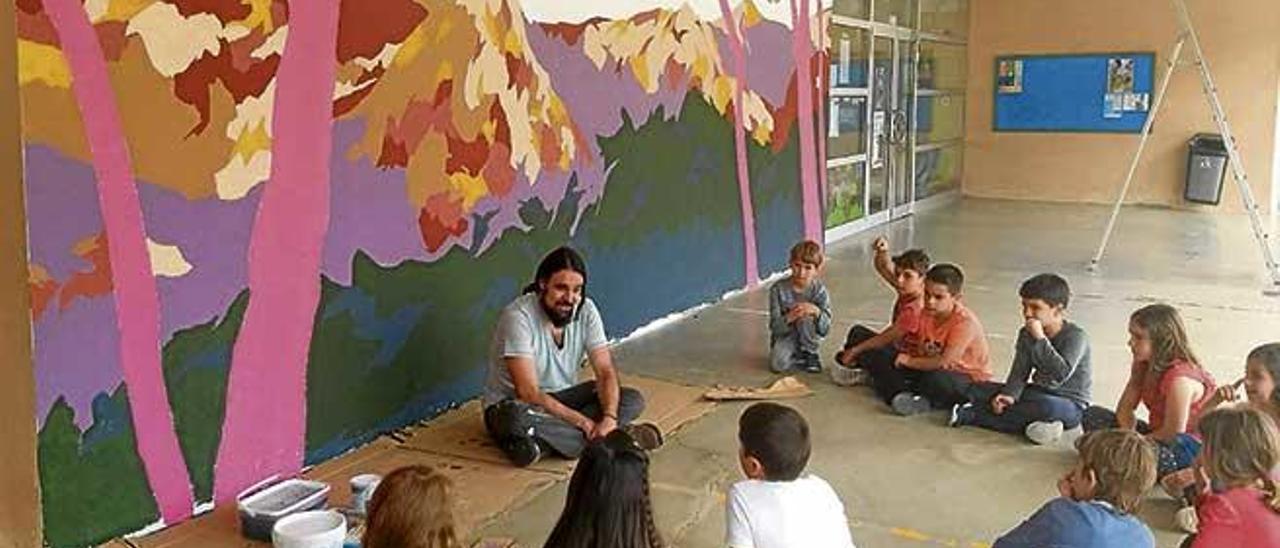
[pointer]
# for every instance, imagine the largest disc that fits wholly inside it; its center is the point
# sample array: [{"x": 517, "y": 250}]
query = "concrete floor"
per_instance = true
[{"x": 914, "y": 482}]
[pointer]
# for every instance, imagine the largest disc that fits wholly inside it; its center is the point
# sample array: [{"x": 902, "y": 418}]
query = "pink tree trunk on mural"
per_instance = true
[
  {"x": 824, "y": 83},
  {"x": 265, "y": 426},
  {"x": 134, "y": 286},
  {"x": 737, "y": 39},
  {"x": 802, "y": 52}
]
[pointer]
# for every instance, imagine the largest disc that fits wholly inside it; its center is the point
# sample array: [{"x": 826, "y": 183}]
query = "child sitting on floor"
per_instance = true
[
  {"x": 779, "y": 506},
  {"x": 1261, "y": 373},
  {"x": 1165, "y": 377},
  {"x": 1262, "y": 368},
  {"x": 411, "y": 508},
  {"x": 905, "y": 272},
  {"x": 951, "y": 355},
  {"x": 1053, "y": 354},
  {"x": 1100, "y": 496},
  {"x": 1241, "y": 452},
  {"x": 799, "y": 313},
  {"x": 608, "y": 504}
]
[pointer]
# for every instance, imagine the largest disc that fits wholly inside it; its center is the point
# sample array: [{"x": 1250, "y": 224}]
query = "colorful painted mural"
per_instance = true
[{"x": 263, "y": 233}]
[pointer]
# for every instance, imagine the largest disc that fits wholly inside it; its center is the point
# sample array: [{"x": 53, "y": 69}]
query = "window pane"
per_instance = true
[
  {"x": 946, "y": 17},
  {"x": 899, "y": 12},
  {"x": 942, "y": 66},
  {"x": 937, "y": 170},
  {"x": 848, "y": 57},
  {"x": 845, "y": 136},
  {"x": 939, "y": 118},
  {"x": 844, "y": 194},
  {"x": 858, "y": 9}
]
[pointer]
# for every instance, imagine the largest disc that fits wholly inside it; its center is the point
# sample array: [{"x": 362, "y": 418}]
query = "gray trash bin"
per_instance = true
[{"x": 1206, "y": 165}]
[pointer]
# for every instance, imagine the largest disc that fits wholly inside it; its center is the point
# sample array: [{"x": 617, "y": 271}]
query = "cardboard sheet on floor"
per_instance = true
[
  {"x": 669, "y": 405},
  {"x": 482, "y": 492},
  {"x": 786, "y": 387},
  {"x": 456, "y": 442},
  {"x": 460, "y": 433}
]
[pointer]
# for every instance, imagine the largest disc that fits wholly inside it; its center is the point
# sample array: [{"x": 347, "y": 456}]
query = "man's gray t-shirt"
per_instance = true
[{"x": 524, "y": 330}]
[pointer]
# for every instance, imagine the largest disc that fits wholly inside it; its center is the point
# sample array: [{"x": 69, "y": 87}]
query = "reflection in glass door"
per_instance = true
[
  {"x": 900, "y": 133},
  {"x": 895, "y": 107},
  {"x": 882, "y": 108}
]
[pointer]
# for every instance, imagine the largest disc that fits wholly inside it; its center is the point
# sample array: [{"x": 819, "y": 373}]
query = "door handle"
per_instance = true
[{"x": 898, "y": 127}]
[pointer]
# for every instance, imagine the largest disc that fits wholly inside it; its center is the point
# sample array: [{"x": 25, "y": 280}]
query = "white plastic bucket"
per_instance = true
[{"x": 315, "y": 529}]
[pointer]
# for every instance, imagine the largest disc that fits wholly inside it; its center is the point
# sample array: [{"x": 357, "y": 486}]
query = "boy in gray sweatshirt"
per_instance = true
[
  {"x": 1048, "y": 386},
  {"x": 799, "y": 313}
]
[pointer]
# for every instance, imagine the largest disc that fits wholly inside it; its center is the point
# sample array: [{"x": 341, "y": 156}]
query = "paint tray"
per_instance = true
[{"x": 263, "y": 504}]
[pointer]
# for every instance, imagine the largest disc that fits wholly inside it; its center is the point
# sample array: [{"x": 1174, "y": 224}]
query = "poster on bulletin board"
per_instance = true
[{"x": 1101, "y": 92}]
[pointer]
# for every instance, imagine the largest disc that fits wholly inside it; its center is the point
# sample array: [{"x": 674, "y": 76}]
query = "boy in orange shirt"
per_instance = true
[
  {"x": 950, "y": 356},
  {"x": 905, "y": 273}
]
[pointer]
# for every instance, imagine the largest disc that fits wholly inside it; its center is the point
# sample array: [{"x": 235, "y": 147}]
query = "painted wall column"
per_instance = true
[{"x": 20, "y": 507}]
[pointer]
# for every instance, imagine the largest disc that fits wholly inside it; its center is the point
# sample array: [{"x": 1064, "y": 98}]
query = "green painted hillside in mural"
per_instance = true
[{"x": 100, "y": 492}]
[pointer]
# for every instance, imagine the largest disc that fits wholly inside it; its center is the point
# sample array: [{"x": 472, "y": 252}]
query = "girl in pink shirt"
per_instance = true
[
  {"x": 1167, "y": 379},
  {"x": 1241, "y": 449}
]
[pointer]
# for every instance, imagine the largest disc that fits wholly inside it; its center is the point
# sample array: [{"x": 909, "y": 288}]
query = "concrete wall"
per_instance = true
[
  {"x": 19, "y": 504},
  {"x": 1240, "y": 43}
]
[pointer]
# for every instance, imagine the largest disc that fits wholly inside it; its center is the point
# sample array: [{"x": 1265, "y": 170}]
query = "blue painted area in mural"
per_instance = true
[
  {"x": 428, "y": 404},
  {"x": 665, "y": 273},
  {"x": 110, "y": 419},
  {"x": 391, "y": 332}
]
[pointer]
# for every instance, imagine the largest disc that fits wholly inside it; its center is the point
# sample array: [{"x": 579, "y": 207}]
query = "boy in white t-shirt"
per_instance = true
[{"x": 779, "y": 506}]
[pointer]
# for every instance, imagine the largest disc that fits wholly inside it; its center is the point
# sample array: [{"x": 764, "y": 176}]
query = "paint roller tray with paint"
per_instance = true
[{"x": 265, "y": 503}]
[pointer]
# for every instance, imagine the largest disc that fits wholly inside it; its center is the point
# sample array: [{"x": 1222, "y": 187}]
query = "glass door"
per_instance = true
[
  {"x": 890, "y": 156},
  {"x": 900, "y": 130}
]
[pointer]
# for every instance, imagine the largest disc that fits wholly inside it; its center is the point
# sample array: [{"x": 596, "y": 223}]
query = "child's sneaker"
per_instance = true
[
  {"x": 961, "y": 414},
  {"x": 1044, "y": 432},
  {"x": 908, "y": 404},
  {"x": 523, "y": 451},
  {"x": 809, "y": 362},
  {"x": 848, "y": 376},
  {"x": 1187, "y": 519}
]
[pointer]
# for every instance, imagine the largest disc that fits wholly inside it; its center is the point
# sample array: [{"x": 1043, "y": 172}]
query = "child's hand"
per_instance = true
[
  {"x": 880, "y": 245},
  {"x": 1228, "y": 393},
  {"x": 847, "y": 356},
  {"x": 801, "y": 310},
  {"x": 1035, "y": 328},
  {"x": 1064, "y": 486},
  {"x": 1000, "y": 403},
  {"x": 901, "y": 360}
]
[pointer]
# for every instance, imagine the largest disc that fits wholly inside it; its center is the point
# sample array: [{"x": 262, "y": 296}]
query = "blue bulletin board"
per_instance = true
[{"x": 1103, "y": 92}]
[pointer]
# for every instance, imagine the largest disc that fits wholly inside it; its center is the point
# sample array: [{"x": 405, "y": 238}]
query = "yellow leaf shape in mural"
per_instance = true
[
  {"x": 124, "y": 10},
  {"x": 722, "y": 92},
  {"x": 470, "y": 188},
  {"x": 239, "y": 176},
  {"x": 167, "y": 260},
  {"x": 252, "y": 141},
  {"x": 42, "y": 63},
  {"x": 751, "y": 14},
  {"x": 102, "y": 11},
  {"x": 259, "y": 15}
]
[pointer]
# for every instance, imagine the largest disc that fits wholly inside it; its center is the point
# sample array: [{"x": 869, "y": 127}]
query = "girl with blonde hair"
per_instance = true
[{"x": 1241, "y": 452}]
